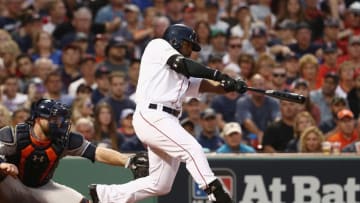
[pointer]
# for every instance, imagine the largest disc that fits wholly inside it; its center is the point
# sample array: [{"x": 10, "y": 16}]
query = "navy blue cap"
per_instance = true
[{"x": 329, "y": 47}]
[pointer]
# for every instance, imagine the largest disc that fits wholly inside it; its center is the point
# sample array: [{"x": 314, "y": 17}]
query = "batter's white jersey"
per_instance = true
[
  {"x": 167, "y": 141},
  {"x": 159, "y": 84}
]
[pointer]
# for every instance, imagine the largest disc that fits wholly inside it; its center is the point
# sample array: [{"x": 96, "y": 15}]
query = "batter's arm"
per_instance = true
[{"x": 211, "y": 86}]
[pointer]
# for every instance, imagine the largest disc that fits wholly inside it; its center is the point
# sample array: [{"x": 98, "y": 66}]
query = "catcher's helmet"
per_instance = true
[
  {"x": 175, "y": 34},
  {"x": 58, "y": 116},
  {"x": 47, "y": 108}
]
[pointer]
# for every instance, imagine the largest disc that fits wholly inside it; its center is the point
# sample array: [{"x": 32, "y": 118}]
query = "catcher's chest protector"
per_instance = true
[{"x": 36, "y": 163}]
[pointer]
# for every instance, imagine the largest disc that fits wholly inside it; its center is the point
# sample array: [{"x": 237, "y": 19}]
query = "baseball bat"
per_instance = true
[{"x": 288, "y": 96}]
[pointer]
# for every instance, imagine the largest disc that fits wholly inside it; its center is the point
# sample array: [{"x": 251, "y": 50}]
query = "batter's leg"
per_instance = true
[{"x": 162, "y": 172}]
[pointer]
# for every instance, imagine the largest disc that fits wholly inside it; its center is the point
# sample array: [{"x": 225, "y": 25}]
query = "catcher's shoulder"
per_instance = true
[{"x": 7, "y": 135}]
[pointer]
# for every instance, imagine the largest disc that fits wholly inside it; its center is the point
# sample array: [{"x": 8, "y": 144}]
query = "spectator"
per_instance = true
[
  {"x": 174, "y": 10},
  {"x": 225, "y": 105},
  {"x": 218, "y": 42},
  {"x": 292, "y": 11},
  {"x": 323, "y": 96},
  {"x": 330, "y": 55},
  {"x": 160, "y": 25},
  {"x": 145, "y": 31},
  {"x": 279, "y": 133},
  {"x": 25, "y": 70},
  {"x": 353, "y": 97},
  {"x": 291, "y": 64},
  {"x": 329, "y": 126},
  {"x": 87, "y": 69},
  {"x": 231, "y": 58},
  {"x": 286, "y": 32},
  {"x": 11, "y": 97},
  {"x": 303, "y": 37},
  {"x": 117, "y": 99},
  {"x": 232, "y": 136},
  {"x": 102, "y": 84},
  {"x": 130, "y": 141},
  {"x": 43, "y": 67},
  {"x": 10, "y": 21},
  {"x": 133, "y": 76},
  {"x": 100, "y": 43},
  {"x": 256, "y": 45},
  {"x": 81, "y": 108},
  {"x": 189, "y": 16},
  {"x": 346, "y": 133},
  {"x": 20, "y": 115},
  {"x": 255, "y": 111},
  {"x": 331, "y": 31},
  {"x": 31, "y": 25},
  {"x": 115, "y": 53},
  {"x": 9, "y": 50},
  {"x": 115, "y": 9},
  {"x": 215, "y": 62},
  {"x": 247, "y": 66},
  {"x": 106, "y": 133},
  {"x": 188, "y": 126},
  {"x": 352, "y": 146},
  {"x": 191, "y": 110},
  {"x": 202, "y": 28},
  {"x": 54, "y": 84},
  {"x": 353, "y": 50},
  {"x": 346, "y": 79},
  {"x": 44, "y": 48},
  {"x": 302, "y": 121},
  {"x": 209, "y": 138},
  {"x": 85, "y": 127},
  {"x": 243, "y": 18},
  {"x": 57, "y": 15},
  {"x": 278, "y": 78},
  {"x": 264, "y": 66},
  {"x": 309, "y": 68},
  {"x": 35, "y": 91},
  {"x": 262, "y": 12},
  {"x": 213, "y": 19},
  {"x": 70, "y": 69},
  {"x": 310, "y": 140},
  {"x": 84, "y": 91},
  {"x": 81, "y": 23},
  {"x": 5, "y": 116}
]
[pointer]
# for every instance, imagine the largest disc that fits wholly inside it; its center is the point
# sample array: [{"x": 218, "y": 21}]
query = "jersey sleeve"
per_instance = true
[
  {"x": 161, "y": 50},
  {"x": 78, "y": 146},
  {"x": 193, "y": 89}
]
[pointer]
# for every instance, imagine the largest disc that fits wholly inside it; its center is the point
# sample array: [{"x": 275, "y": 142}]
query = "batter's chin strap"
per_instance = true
[{"x": 217, "y": 193}]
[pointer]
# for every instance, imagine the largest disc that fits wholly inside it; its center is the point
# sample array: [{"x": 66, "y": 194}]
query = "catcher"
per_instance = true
[{"x": 31, "y": 152}]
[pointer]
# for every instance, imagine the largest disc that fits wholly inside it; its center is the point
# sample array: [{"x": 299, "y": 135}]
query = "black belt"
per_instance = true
[{"x": 165, "y": 109}]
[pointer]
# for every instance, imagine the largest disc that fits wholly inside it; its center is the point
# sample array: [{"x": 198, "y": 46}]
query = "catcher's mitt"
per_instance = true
[{"x": 139, "y": 164}]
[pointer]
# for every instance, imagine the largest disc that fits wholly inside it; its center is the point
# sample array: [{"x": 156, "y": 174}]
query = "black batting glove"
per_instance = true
[
  {"x": 228, "y": 83},
  {"x": 241, "y": 86}
]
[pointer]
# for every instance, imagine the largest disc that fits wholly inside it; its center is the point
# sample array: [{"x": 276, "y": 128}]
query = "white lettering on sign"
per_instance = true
[{"x": 307, "y": 189}]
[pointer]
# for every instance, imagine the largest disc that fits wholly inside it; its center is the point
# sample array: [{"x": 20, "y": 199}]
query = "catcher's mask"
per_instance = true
[
  {"x": 177, "y": 33},
  {"x": 58, "y": 116}
]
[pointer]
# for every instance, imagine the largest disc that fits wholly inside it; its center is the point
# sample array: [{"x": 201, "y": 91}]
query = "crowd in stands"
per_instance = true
[{"x": 86, "y": 54}]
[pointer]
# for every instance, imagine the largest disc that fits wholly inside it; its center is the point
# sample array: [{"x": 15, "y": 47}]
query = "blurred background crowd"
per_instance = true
[{"x": 86, "y": 53}]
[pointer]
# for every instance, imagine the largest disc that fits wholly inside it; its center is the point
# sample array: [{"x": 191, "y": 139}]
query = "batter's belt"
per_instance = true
[{"x": 166, "y": 109}]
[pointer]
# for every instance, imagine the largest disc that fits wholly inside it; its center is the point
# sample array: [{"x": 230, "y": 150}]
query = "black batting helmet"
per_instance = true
[{"x": 177, "y": 33}]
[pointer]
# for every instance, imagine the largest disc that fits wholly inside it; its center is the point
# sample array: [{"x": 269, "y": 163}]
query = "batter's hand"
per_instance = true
[
  {"x": 240, "y": 86},
  {"x": 9, "y": 169}
]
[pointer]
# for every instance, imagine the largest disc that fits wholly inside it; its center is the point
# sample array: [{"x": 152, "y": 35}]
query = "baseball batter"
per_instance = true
[
  {"x": 31, "y": 152},
  {"x": 166, "y": 77}
]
